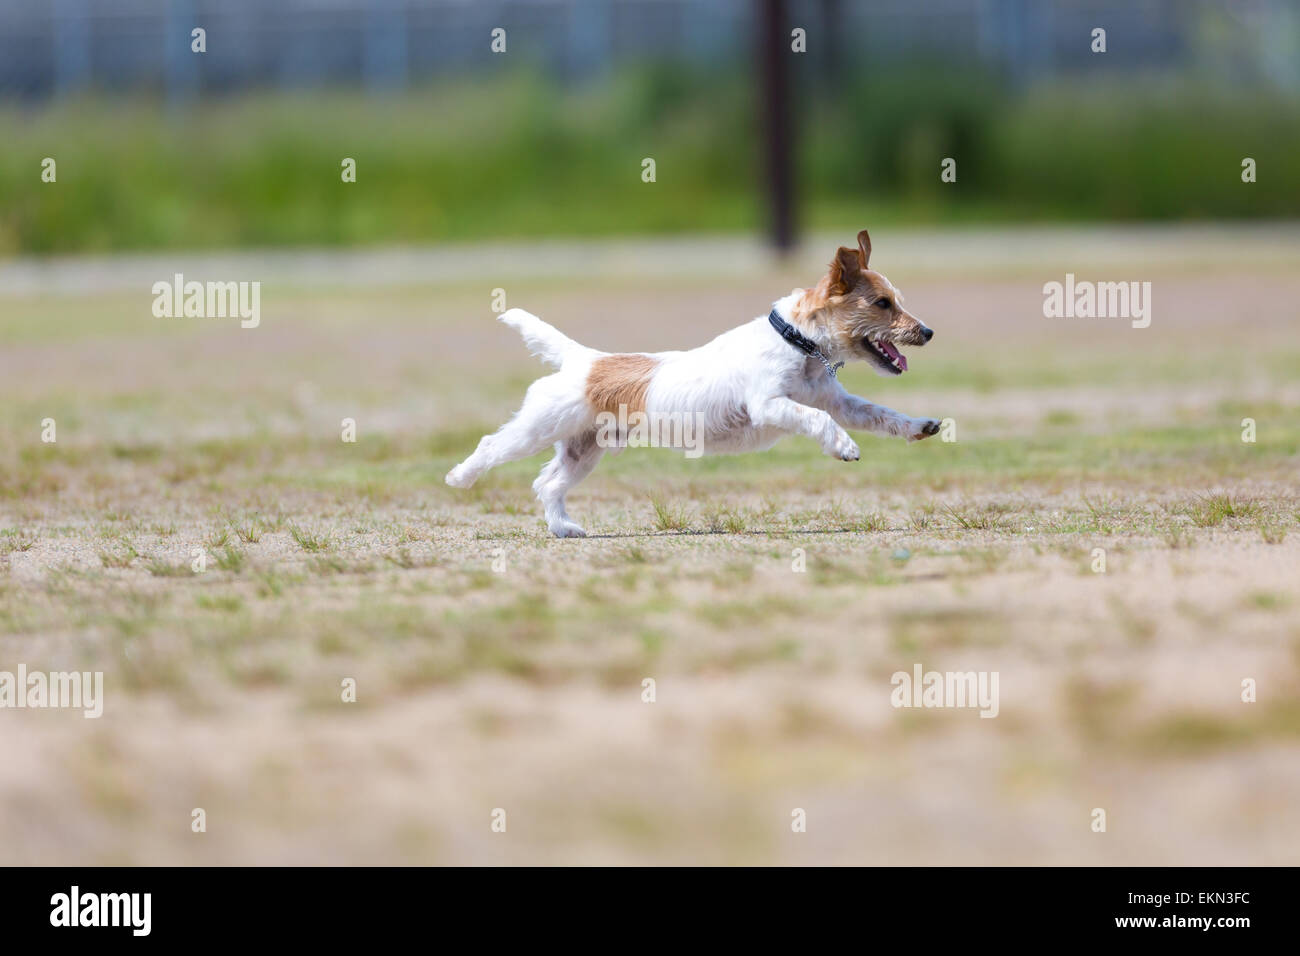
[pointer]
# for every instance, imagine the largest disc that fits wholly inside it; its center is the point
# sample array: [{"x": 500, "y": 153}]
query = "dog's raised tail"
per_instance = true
[{"x": 545, "y": 341}]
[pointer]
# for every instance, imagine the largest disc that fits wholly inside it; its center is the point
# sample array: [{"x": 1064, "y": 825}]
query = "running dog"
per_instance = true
[{"x": 749, "y": 387}]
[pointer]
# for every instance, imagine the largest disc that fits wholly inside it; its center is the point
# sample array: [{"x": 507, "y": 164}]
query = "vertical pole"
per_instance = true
[{"x": 774, "y": 57}]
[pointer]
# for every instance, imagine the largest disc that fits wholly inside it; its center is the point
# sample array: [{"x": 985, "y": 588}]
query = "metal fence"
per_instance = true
[{"x": 53, "y": 47}]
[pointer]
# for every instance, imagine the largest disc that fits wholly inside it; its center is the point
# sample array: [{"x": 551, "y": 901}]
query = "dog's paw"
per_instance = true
[
  {"x": 567, "y": 529},
  {"x": 923, "y": 428},
  {"x": 459, "y": 477},
  {"x": 844, "y": 448}
]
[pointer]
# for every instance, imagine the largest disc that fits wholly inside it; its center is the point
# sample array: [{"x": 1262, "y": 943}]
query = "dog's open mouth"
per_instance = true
[{"x": 886, "y": 356}]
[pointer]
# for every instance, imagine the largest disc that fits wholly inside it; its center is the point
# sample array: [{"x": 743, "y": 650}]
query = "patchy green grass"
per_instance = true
[
  {"x": 122, "y": 555},
  {"x": 230, "y": 558},
  {"x": 310, "y": 539},
  {"x": 670, "y": 516},
  {"x": 1209, "y": 511},
  {"x": 763, "y": 601}
]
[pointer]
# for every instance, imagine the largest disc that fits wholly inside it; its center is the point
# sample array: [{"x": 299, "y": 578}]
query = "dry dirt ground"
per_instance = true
[{"x": 499, "y": 669}]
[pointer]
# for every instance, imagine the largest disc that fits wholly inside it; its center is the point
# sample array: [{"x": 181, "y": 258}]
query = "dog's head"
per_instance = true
[{"x": 862, "y": 312}]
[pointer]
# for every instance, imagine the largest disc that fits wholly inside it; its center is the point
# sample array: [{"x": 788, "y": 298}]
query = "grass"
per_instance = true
[
  {"x": 972, "y": 519},
  {"x": 264, "y": 170},
  {"x": 15, "y": 540},
  {"x": 768, "y": 597},
  {"x": 162, "y": 568},
  {"x": 248, "y": 531},
  {"x": 721, "y": 520},
  {"x": 310, "y": 540},
  {"x": 229, "y": 558},
  {"x": 1272, "y": 533},
  {"x": 670, "y": 516},
  {"x": 1209, "y": 511},
  {"x": 122, "y": 555}
]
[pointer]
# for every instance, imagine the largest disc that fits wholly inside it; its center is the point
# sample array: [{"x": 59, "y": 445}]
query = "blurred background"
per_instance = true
[
  {"x": 160, "y": 147},
  {"x": 517, "y": 684}
]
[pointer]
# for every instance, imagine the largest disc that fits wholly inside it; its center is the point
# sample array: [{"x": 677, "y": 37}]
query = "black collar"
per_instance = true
[{"x": 800, "y": 341}]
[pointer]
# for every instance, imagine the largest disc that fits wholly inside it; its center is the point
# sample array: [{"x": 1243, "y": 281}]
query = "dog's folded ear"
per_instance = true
[{"x": 864, "y": 247}]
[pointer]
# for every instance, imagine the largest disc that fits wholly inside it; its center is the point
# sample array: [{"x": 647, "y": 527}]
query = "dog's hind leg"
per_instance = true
[
  {"x": 574, "y": 459},
  {"x": 553, "y": 410}
]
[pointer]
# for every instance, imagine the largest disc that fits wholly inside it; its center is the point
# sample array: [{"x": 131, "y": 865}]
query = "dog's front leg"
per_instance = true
[
  {"x": 861, "y": 415},
  {"x": 790, "y": 416}
]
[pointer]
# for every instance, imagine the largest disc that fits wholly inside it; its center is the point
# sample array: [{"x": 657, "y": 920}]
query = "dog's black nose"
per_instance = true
[{"x": 928, "y": 334}]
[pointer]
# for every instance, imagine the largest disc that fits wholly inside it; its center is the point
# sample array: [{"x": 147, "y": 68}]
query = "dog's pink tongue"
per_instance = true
[{"x": 894, "y": 354}]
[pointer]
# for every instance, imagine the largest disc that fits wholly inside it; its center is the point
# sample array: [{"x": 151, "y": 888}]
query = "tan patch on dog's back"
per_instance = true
[{"x": 620, "y": 380}]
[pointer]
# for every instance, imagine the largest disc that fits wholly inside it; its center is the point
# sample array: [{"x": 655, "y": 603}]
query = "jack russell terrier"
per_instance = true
[{"x": 771, "y": 377}]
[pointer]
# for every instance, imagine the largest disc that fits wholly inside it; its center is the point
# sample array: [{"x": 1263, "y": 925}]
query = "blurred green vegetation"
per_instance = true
[{"x": 519, "y": 155}]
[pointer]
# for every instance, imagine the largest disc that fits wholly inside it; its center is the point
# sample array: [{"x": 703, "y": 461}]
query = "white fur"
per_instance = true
[{"x": 749, "y": 385}]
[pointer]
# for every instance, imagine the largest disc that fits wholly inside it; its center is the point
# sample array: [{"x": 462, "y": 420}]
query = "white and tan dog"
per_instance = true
[{"x": 747, "y": 388}]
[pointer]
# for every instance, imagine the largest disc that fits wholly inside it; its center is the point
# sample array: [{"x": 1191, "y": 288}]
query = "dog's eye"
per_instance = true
[{"x": 882, "y": 303}]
